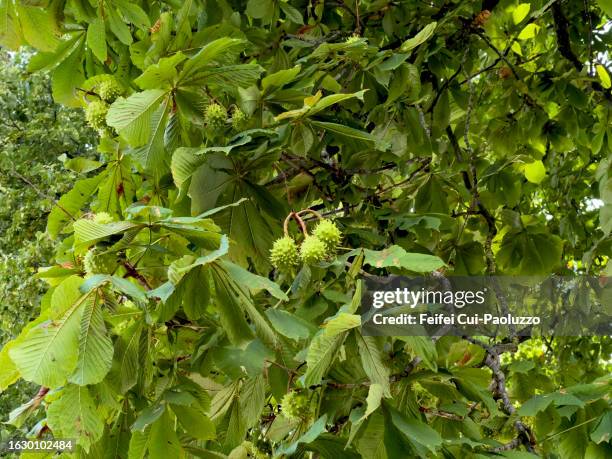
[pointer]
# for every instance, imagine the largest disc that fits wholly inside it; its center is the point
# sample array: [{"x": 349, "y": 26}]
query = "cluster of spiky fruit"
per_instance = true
[
  {"x": 96, "y": 262},
  {"x": 321, "y": 245},
  {"x": 295, "y": 406},
  {"x": 103, "y": 218},
  {"x": 239, "y": 119},
  {"x": 253, "y": 451},
  {"x": 95, "y": 113},
  {"x": 109, "y": 90},
  {"x": 215, "y": 115}
]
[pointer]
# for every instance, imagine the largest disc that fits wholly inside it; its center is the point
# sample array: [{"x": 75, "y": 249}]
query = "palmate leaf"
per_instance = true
[
  {"x": 74, "y": 415},
  {"x": 132, "y": 117},
  {"x": 211, "y": 187},
  {"x": 95, "y": 346}
]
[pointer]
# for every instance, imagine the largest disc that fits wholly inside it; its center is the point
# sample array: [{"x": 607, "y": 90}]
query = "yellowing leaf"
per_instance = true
[
  {"x": 520, "y": 12},
  {"x": 528, "y": 32},
  {"x": 604, "y": 76},
  {"x": 310, "y": 101},
  {"x": 535, "y": 171}
]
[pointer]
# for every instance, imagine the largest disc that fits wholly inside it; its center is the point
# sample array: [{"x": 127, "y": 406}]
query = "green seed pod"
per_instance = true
[
  {"x": 103, "y": 218},
  {"x": 295, "y": 407},
  {"x": 284, "y": 253},
  {"x": 109, "y": 90},
  {"x": 312, "y": 250},
  {"x": 328, "y": 232},
  {"x": 95, "y": 262},
  {"x": 239, "y": 119},
  {"x": 95, "y": 113},
  {"x": 215, "y": 116}
]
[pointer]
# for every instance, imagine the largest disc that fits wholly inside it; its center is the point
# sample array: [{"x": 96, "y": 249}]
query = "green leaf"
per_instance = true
[
  {"x": 280, "y": 78},
  {"x": 231, "y": 313},
  {"x": 38, "y": 27},
  {"x": 341, "y": 322},
  {"x": 125, "y": 364},
  {"x": 161, "y": 74},
  {"x": 321, "y": 354},
  {"x": 164, "y": 442},
  {"x": 328, "y": 101},
  {"x": 293, "y": 14},
  {"x": 48, "y": 353},
  {"x": 88, "y": 232},
  {"x": 535, "y": 172},
  {"x": 152, "y": 155},
  {"x": 529, "y": 31},
  {"x": 606, "y": 7},
  {"x": 397, "y": 257},
  {"x": 520, "y": 12},
  {"x": 260, "y": 9},
  {"x": 603, "y": 429},
  {"x": 424, "y": 348},
  {"x": 312, "y": 434},
  {"x": 416, "y": 431},
  {"x": 290, "y": 325},
  {"x": 376, "y": 392},
  {"x": 214, "y": 52},
  {"x": 132, "y": 117},
  {"x": 372, "y": 360},
  {"x": 70, "y": 204},
  {"x": 95, "y": 346},
  {"x": 424, "y": 34},
  {"x": 195, "y": 423},
  {"x": 345, "y": 131},
  {"x": 134, "y": 14},
  {"x": 74, "y": 415},
  {"x": 604, "y": 76},
  {"x": 96, "y": 39},
  {"x": 9, "y": 374},
  {"x": 254, "y": 282},
  {"x": 118, "y": 26}
]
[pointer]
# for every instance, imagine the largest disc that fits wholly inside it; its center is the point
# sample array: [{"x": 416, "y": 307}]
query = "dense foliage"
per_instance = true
[
  {"x": 456, "y": 137},
  {"x": 34, "y": 134}
]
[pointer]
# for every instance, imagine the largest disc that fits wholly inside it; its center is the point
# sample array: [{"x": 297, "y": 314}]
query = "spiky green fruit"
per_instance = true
[
  {"x": 312, "y": 250},
  {"x": 328, "y": 232},
  {"x": 295, "y": 406},
  {"x": 284, "y": 253},
  {"x": 103, "y": 218},
  {"x": 215, "y": 115},
  {"x": 253, "y": 451},
  {"x": 96, "y": 114},
  {"x": 109, "y": 90},
  {"x": 239, "y": 119},
  {"x": 95, "y": 262}
]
